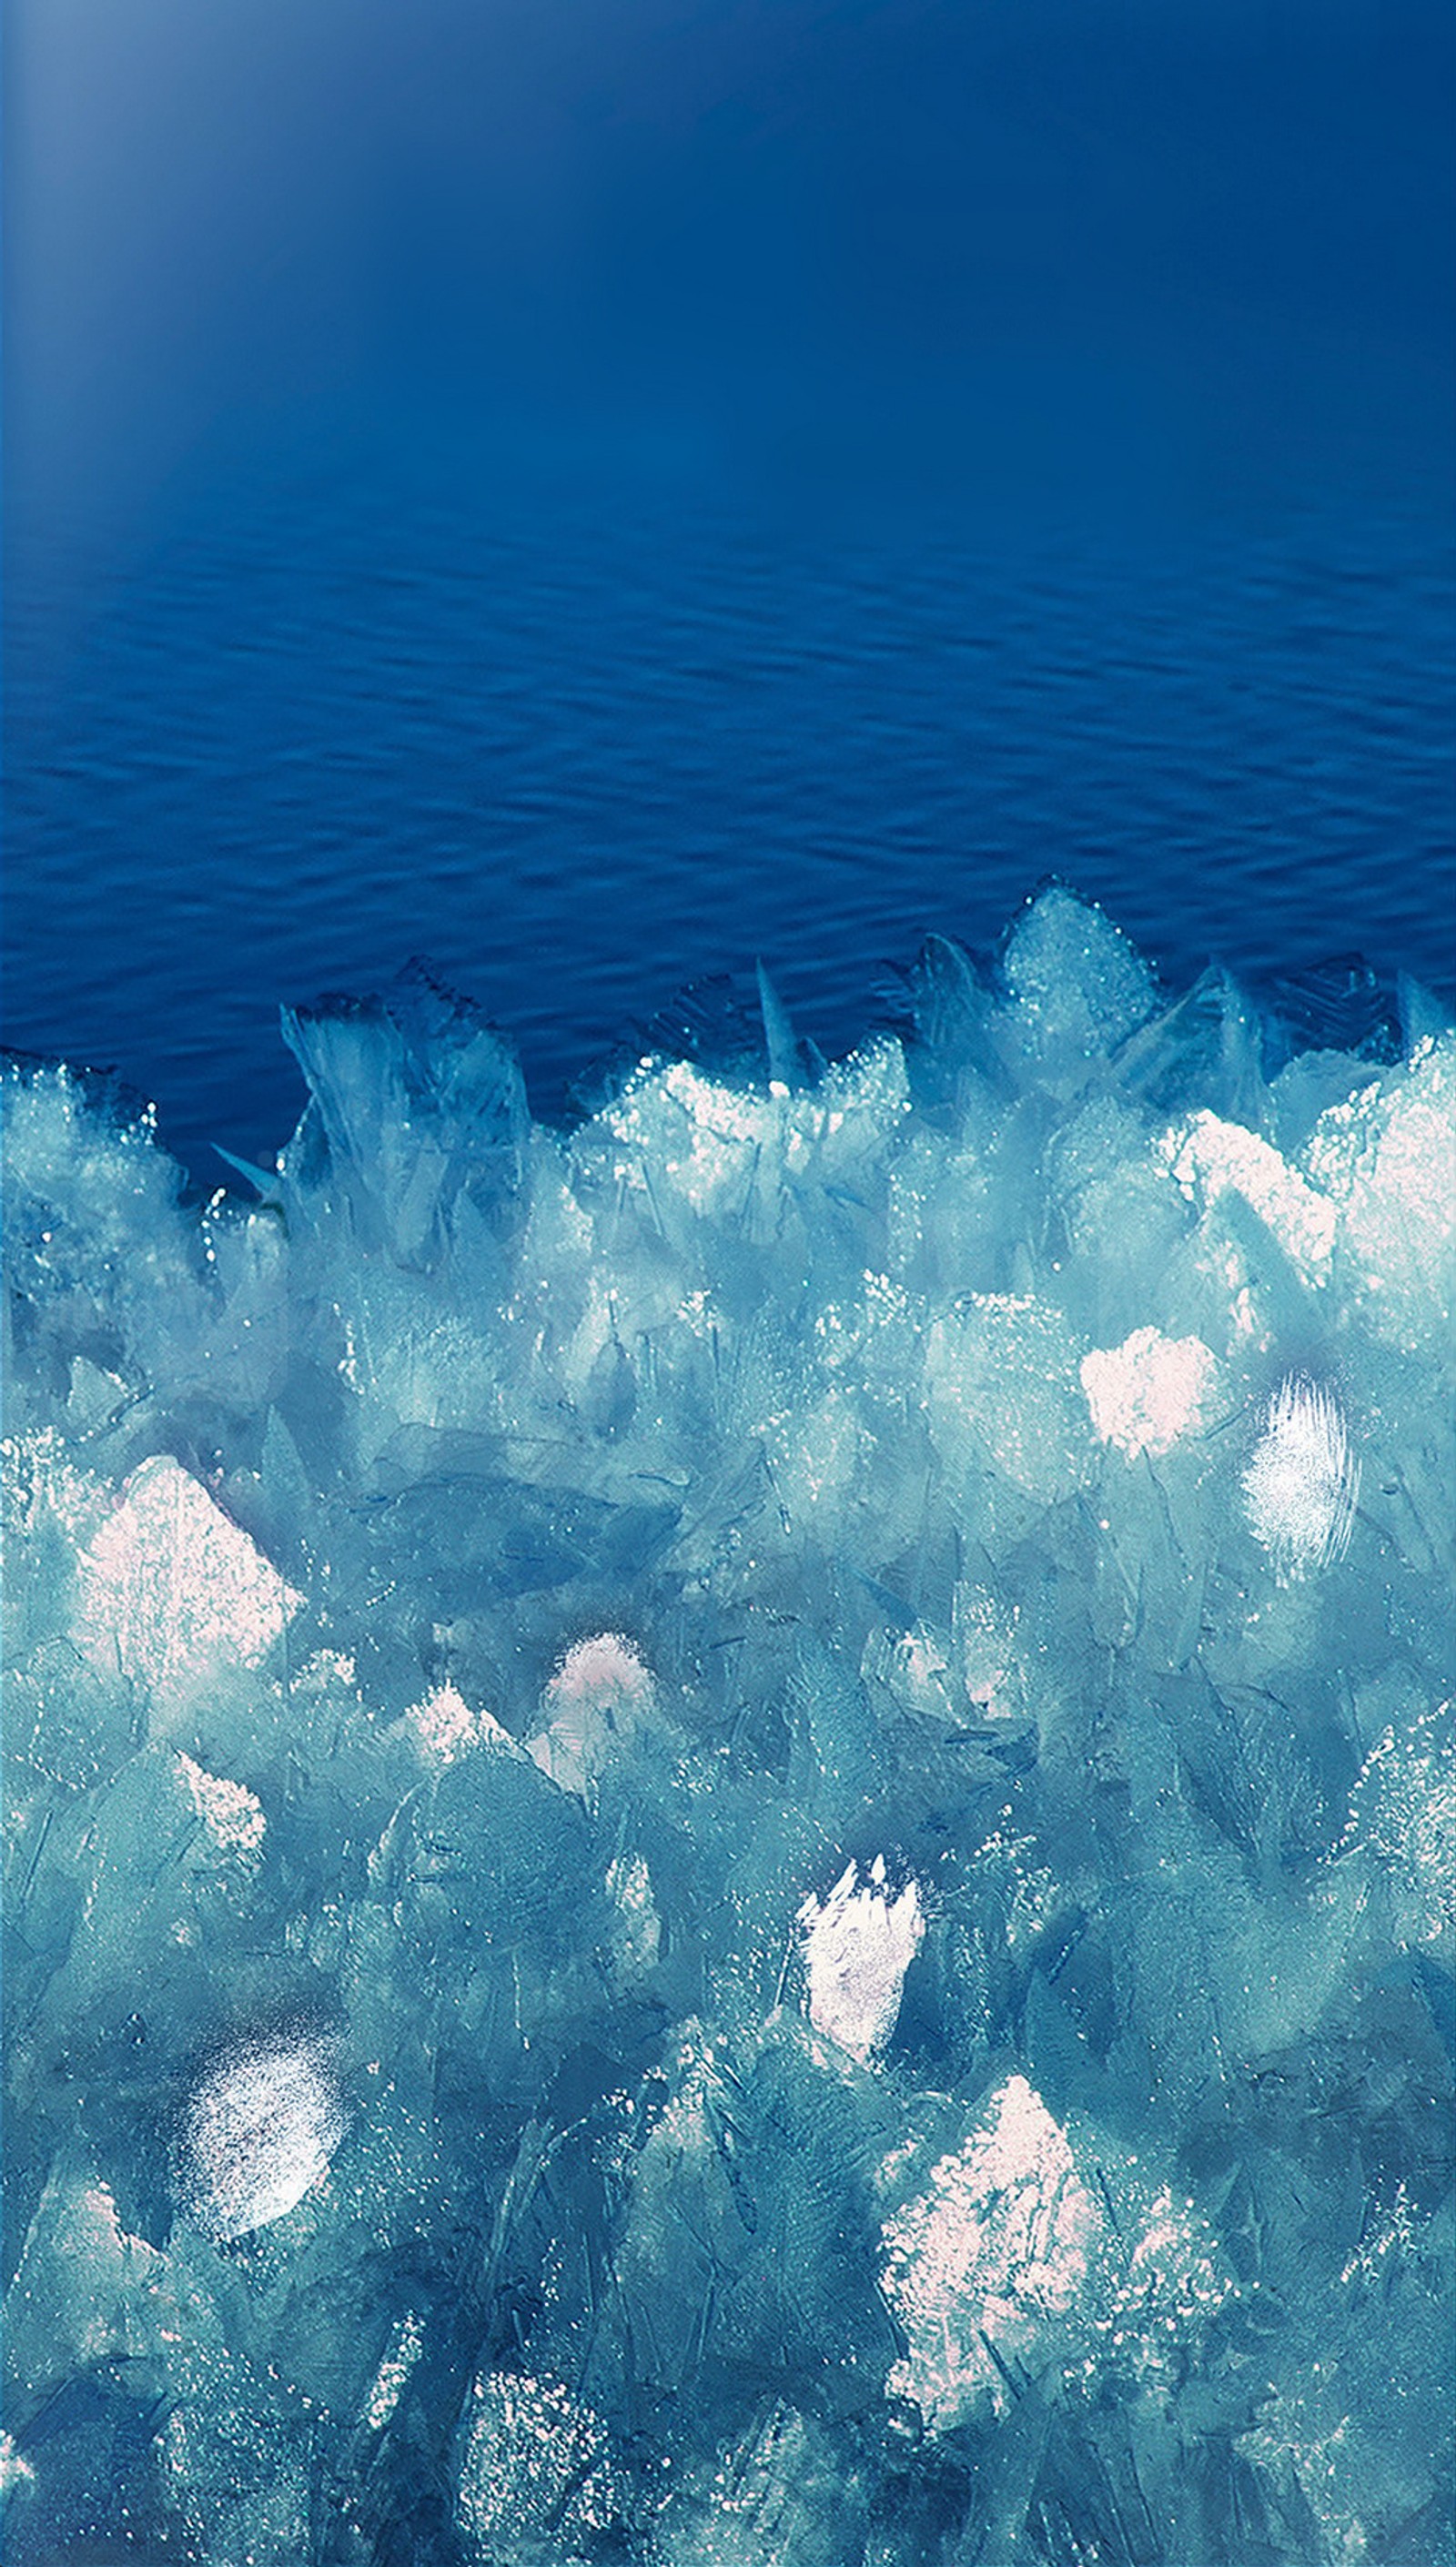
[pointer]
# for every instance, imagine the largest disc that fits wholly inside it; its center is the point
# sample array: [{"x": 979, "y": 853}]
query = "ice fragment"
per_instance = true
[
  {"x": 231, "y": 1815},
  {"x": 1211, "y": 1158},
  {"x": 536, "y": 2468},
  {"x": 593, "y": 1701},
  {"x": 405, "y": 2347},
  {"x": 172, "y": 1591},
  {"x": 443, "y": 1726},
  {"x": 982, "y": 2266},
  {"x": 1403, "y": 1808}
]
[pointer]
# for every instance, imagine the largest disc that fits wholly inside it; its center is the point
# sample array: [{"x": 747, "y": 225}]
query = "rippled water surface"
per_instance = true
[
  {"x": 580, "y": 758},
  {"x": 597, "y": 494}
]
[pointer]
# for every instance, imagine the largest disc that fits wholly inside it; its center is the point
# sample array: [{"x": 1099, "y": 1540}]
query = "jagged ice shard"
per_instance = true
[{"x": 732, "y": 1836}]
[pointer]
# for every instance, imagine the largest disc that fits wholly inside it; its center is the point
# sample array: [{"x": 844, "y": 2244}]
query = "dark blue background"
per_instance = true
[{"x": 597, "y": 493}]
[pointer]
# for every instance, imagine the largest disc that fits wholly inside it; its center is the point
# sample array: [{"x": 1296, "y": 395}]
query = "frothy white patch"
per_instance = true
[
  {"x": 38, "y": 1480},
  {"x": 405, "y": 2347},
  {"x": 1301, "y": 1486},
  {"x": 231, "y": 1813},
  {"x": 996, "y": 2248},
  {"x": 257, "y": 2134},
  {"x": 171, "y": 1589},
  {"x": 1147, "y": 1392},
  {"x": 1210, "y": 1158},
  {"x": 859, "y": 1946},
  {"x": 596, "y": 1696},
  {"x": 443, "y": 1727}
]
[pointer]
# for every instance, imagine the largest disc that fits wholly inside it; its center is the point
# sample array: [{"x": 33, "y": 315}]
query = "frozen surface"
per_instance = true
[{"x": 731, "y": 1839}]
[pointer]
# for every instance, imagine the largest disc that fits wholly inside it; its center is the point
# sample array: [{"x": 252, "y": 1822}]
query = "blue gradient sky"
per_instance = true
[{"x": 1096, "y": 252}]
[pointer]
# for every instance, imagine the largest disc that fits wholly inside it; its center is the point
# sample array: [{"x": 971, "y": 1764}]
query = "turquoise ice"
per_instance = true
[{"x": 732, "y": 1836}]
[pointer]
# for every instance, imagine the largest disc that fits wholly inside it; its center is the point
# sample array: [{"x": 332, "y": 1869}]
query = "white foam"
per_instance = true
[
  {"x": 639, "y": 1926},
  {"x": 858, "y": 1945},
  {"x": 1148, "y": 1392},
  {"x": 1403, "y": 1808},
  {"x": 1302, "y": 1484},
  {"x": 259, "y": 2133}
]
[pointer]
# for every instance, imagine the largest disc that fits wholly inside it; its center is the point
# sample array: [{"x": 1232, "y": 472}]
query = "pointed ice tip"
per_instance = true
[
  {"x": 1423, "y": 1016},
  {"x": 1078, "y": 984},
  {"x": 263, "y": 1181},
  {"x": 786, "y": 1068}
]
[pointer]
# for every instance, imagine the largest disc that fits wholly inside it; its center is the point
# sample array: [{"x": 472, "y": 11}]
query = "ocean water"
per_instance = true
[
  {"x": 580, "y": 758},
  {"x": 601, "y": 496}
]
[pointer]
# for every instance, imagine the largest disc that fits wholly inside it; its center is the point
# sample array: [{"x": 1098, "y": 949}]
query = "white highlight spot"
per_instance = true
[
  {"x": 604, "y": 1669},
  {"x": 859, "y": 1946},
  {"x": 259, "y": 2133},
  {"x": 443, "y": 1727},
  {"x": 995, "y": 2251},
  {"x": 14, "y": 2470},
  {"x": 400, "y": 2355},
  {"x": 1147, "y": 1392},
  {"x": 1301, "y": 1487},
  {"x": 231, "y": 1813},
  {"x": 171, "y": 1589},
  {"x": 596, "y": 1696}
]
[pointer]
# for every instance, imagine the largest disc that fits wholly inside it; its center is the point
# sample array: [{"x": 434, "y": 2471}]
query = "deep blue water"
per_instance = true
[
  {"x": 579, "y": 764},
  {"x": 597, "y": 499}
]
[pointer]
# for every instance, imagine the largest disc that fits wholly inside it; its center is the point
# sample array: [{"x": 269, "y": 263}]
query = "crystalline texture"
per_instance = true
[
  {"x": 728, "y": 1836},
  {"x": 536, "y": 2477},
  {"x": 170, "y": 1588},
  {"x": 983, "y": 2269}
]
